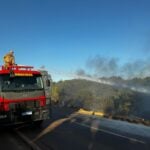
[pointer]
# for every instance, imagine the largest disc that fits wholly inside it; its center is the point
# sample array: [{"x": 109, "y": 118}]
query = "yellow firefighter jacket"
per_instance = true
[{"x": 9, "y": 60}]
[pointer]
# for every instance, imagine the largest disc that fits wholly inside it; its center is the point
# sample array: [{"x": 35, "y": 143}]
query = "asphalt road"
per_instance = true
[
  {"x": 69, "y": 131},
  {"x": 10, "y": 141}
]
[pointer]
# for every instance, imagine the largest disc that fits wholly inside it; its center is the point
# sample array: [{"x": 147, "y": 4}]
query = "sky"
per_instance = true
[{"x": 63, "y": 34}]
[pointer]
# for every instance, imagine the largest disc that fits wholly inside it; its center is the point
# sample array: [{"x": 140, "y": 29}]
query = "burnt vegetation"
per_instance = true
[{"x": 112, "y": 100}]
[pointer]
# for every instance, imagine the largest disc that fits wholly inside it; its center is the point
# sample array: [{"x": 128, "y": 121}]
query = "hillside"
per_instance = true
[{"x": 101, "y": 97}]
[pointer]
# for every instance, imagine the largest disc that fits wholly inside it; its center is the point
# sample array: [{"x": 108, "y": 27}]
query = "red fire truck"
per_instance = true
[{"x": 24, "y": 95}]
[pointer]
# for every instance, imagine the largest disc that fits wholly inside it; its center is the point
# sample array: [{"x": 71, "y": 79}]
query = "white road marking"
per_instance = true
[{"x": 110, "y": 132}]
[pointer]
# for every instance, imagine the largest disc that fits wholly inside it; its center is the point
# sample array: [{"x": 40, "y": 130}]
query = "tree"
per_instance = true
[{"x": 55, "y": 94}]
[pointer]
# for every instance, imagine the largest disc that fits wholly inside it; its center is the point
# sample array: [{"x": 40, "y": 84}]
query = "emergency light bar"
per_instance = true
[{"x": 15, "y": 67}]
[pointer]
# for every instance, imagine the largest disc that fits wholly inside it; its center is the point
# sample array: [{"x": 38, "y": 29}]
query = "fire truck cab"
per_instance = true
[{"x": 24, "y": 95}]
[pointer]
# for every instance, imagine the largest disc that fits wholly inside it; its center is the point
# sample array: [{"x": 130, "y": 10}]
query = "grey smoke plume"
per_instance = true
[
  {"x": 138, "y": 68},
  {"x": 80, "y": 72},
  {"x": 107, "y": 67},
  {"x": 103, "y": 66}
]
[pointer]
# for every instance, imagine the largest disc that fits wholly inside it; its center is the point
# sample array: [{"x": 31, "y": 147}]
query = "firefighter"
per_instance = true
[{"x": 9, "y": 59}]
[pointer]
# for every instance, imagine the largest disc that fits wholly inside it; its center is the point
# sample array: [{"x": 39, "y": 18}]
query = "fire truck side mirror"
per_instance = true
[{"x": 48, "y": 83}]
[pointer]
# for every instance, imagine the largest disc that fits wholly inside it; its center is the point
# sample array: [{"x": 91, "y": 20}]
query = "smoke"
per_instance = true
[
  {"x": 80, "y": 72},
  {"x": 136, "y": 69},
  {"x": 123, "y": 84},
  {"x": 108, "y": 71},
  {"x": 108, "y": 67},
  {"x": 103, "y": 66}
]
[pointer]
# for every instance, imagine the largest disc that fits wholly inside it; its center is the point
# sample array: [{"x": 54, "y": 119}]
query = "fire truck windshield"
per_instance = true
[{"x": 18, "y": 83}]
